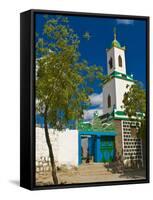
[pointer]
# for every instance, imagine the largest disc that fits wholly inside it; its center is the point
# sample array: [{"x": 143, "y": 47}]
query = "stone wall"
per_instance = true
[
  {"x": 128, "y": 144},
  {"x": 118, "y": 138},
  {"x": 65, "y": 148},
  {"x": 132, "y": 148}
]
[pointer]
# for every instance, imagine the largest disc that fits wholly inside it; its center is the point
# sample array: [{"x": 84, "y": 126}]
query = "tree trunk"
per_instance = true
[{"x": 51, "y": 155}]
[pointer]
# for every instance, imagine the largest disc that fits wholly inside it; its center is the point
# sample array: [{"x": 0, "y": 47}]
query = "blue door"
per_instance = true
[
  {"x": 101, "y": 146},
  {"x": 107, "y": 148}
]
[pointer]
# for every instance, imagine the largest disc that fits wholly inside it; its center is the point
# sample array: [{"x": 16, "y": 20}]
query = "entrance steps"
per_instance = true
[{"x": 93, "y": 169}]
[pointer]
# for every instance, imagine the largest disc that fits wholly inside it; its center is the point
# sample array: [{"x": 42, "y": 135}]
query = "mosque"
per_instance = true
[
  {"x": 106, "y": 144},
  {"x": 122, "y": 141}
]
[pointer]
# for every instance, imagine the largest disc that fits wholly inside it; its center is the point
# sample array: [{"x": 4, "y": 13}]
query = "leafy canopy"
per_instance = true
[
  {"x": 63, "y": 80},
  {"x": 135, "y": 105},
  {"x": 135, "y": 100}
]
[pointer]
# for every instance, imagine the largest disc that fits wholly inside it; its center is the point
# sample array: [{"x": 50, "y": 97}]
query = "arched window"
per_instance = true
[
  {"x": 111, "y": 63},
  {"x": 120, "y": 61},
  {"x": 109, "y": 101}
]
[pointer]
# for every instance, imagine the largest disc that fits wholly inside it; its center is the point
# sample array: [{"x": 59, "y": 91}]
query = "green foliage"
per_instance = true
[
  {"x": 97, "y": 125},
  {"x": 86, "y": 36},
  {"x": 142, "y": 130},
  {"x": 135, "y": 100},
  {"x": 135, "y": 104},
  {"x": 81, "y": 126},
  {"x": 107, "y": 78},
  {"x": 62, "y": 79}
]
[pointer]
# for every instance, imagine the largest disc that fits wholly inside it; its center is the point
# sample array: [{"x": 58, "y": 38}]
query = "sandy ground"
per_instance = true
[{"x": 86, "y": 173}]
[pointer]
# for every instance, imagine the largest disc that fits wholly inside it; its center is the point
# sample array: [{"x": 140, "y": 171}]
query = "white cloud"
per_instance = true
[
  {"x": 88, "y": 114},
  {"x": 125, "y": 21},
  {"x": 96, "y": 99}
]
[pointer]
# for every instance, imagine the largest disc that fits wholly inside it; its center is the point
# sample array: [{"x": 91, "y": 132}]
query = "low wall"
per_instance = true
[{"x": 65, "y": 148}]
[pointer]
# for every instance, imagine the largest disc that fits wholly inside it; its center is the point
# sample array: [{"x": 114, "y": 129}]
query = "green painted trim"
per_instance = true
[
  {"x": 120, "y": 118},
  {"x": 120, "y": 113},
  {"x": 123, "y": 76},
  {"x": 116, "y": 74},
  {"x": 119, "y": 73},
  {"x": 122, "y": 48},
  {"x": 118, "y": 78},
  {"x": 125, "y": 118}
]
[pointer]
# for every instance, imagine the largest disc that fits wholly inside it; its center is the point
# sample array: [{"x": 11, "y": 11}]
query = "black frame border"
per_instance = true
[{"x": 27, "y": 99}]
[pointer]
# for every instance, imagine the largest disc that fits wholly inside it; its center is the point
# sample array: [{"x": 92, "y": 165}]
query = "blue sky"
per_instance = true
[{"x": 131, "y": 33}]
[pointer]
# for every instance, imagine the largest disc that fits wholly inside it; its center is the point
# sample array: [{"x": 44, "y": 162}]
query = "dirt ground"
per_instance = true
[{"x": 86, "y": 173}]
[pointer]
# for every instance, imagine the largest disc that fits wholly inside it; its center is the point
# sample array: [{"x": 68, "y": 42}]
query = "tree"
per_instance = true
[
  {"x": 63, "y": 80},
  {"x": 97, "y": 123},
  {"x": 86, "y": 36},
  {"x": 135, "y": 105}
]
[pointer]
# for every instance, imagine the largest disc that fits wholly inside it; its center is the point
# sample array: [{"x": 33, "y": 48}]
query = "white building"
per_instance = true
[
  {"x": 118, "y": 81},
  {"x": 127, "y": 144}
]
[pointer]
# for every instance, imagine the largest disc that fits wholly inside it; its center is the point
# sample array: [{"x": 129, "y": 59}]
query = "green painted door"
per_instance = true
[{"x": 107, "y": 148}]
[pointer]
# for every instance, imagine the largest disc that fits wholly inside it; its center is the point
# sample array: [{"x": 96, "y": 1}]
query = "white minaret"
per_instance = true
[
  {"x": 116, "y": 57},
  {"x": 117, "y": 83}
]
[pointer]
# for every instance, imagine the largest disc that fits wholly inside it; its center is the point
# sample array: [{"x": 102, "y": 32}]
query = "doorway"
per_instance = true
[{"x": 87, "y": 149}]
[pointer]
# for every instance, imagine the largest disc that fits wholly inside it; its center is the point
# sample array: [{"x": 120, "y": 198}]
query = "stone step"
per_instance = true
[
  {"x": 93, "y": 170},
  {"x": 84, "y": 167},
  {"x": 94, "y": 174}
]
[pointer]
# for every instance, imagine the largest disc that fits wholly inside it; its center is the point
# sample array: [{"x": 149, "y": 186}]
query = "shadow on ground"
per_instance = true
[
  {"x": 15, "y": 182},
  {"x": 127, "y": 173}
]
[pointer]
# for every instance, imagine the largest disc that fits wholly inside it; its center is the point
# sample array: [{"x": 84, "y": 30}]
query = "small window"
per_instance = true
[
  {"x": 111, "y": 63},
  {"x": 120, "y": 61},
  {"x": 109, "y": 101}
]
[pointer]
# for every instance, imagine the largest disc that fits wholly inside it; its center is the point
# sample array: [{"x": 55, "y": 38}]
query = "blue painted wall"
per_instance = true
[
  {"x": 91, "y": 141},
  {"x": 79, "y": 150},
  {"x": 97, "y": 154},
  {"x": 102, "y": 147}
]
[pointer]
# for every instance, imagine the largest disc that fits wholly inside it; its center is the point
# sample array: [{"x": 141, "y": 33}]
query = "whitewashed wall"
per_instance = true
[
  {"x": 120, "y": 52},
  {"x": 116, "y": 88},
  {"x": 120, "y": 87},
  {"x": 109, "y": 88},
  {"x": 114, "y": 53},
  {"x": 65, "y": 146},
  {"x": 110, "y": 54}
]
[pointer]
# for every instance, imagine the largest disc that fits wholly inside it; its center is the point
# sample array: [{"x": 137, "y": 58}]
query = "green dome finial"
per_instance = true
[
  {"x": 114, "y": 33},
  {"x": 115, "y": 43}
]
